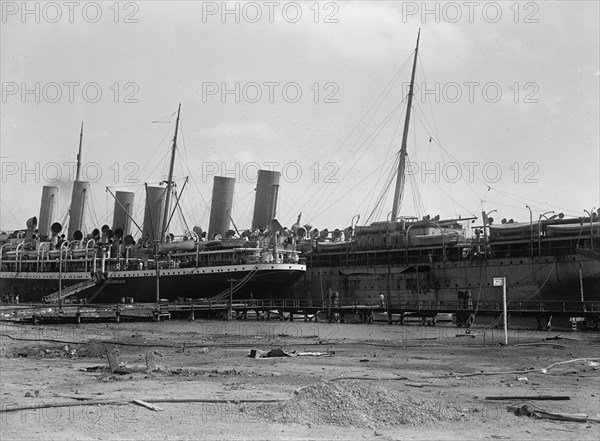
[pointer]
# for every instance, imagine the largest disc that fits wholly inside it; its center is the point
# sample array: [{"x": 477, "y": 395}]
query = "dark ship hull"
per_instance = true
[
  {"x": 267, "y": 281},
  {"x": 552, "y": 279},
  {"x": 442, "y": 274}
]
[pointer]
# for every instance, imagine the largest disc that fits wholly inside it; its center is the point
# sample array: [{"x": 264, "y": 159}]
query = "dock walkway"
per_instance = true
[{"x": 295, "y": 309}]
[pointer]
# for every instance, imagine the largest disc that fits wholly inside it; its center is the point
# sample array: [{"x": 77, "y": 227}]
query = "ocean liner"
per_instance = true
[
  {"x": 43, "y": 264},
  {"x": 410, "y": 259}
]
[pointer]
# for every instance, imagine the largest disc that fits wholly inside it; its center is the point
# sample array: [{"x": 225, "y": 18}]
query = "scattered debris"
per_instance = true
[
  {"x": 148, "y": 405},
  {"x": 113, "y": 363},
  {"x": 257, "y": 353},
  {"x": 278, "y": 353},
  {"x": 522, "y": 379},
  {"x": 75, "y": 397},
  {"x": 358, "y": 404},
  {"x": 150, "y": 362},
  {"x": 315, "y": 354},
  {"x": 560, "y": 337},
  {"x": 545, "y": 370},
  {"x": 537, "y": 412},
  {"x": 555, "y": 345},
  {"x": 93, "y": 368},
  {"x": 532, "y": 397}
]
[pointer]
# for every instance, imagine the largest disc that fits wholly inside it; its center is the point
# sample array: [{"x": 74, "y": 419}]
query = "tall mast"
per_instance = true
[
  {"x": 401, "y": 178},
  {"x": 78, "y": 173},
  {"x": 79, "y": 196},
  {"x": 170, "y": 180}
]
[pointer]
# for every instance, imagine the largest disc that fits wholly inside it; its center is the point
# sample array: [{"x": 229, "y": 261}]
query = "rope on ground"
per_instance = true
[
  {"x": 9, "y": 408},
  {"x": 568, "y": 361},
  {"x": 217, "y": 345}
]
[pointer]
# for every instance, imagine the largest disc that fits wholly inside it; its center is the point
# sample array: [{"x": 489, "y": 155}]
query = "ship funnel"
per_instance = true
[
  {"x": 47, "y": 210},
  {"x": 79, "y": 199},
  {"x": 153, "y": 213},
  {"x": 123, "y": 212},
  {"x": 265, "y": 204},
  {"x": 221, "y": 204}
]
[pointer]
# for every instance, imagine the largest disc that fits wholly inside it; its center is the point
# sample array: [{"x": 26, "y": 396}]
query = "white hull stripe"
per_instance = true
[{"x": 79, "y": 275}]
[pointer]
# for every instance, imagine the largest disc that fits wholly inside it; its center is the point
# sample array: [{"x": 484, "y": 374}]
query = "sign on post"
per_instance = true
[{"x": 501, "y": 281}]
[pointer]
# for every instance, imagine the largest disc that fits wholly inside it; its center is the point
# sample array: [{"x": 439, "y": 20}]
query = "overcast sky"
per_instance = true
[{"x": 512, "y": 105}]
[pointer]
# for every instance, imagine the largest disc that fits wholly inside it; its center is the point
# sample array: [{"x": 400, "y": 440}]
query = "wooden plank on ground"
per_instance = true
[
  {"x": 113, "y": 362},
  {"x": 148, "y": 405}
]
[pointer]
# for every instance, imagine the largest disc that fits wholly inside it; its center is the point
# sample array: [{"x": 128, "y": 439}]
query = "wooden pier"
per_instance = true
[{"x": 426, "y": 312}]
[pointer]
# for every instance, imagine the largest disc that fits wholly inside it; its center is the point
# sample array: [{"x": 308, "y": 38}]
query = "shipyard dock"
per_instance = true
[{"x": 461, "y": 313}]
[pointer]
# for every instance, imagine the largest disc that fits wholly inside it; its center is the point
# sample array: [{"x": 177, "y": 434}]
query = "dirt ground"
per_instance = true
[{"x": 370, "y": 381}]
